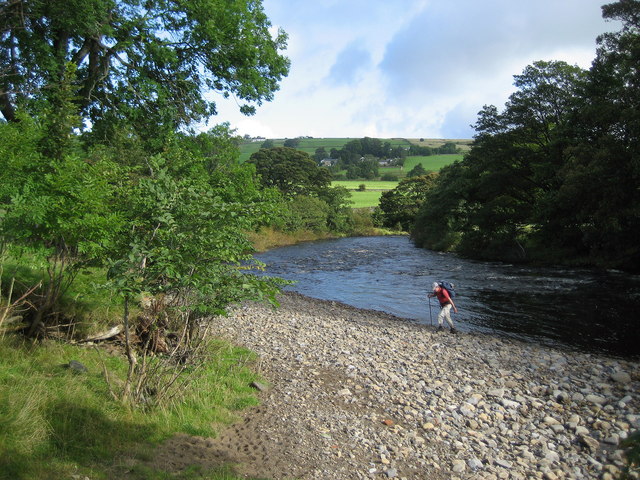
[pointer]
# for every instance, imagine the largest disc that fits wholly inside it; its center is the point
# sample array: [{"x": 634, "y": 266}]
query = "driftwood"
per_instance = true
[{"x": 112, "y": 332}]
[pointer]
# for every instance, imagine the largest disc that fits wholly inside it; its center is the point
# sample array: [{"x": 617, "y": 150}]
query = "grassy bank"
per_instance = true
[
  {"x": 58, "y": 423},
  {"x": 267, "y": 238}
]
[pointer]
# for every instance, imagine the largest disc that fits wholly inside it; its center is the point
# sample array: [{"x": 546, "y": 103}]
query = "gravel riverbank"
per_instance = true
[{"x": 357, "y": 394}]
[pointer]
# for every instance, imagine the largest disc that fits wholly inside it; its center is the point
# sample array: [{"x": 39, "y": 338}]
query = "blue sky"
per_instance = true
[{"x": 410, "y": 68}]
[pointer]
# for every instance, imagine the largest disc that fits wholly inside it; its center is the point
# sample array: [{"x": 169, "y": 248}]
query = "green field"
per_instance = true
[
  {"x": 366, "y": 199},
  {"x": 370, "y": 197},
  {"x": 369, "y": 184}
]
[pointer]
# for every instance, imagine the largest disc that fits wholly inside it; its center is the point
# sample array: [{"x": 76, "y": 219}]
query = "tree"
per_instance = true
[
  {"x": 292, "y": 171},
  {"x": 147, "y": 65},
  {"x": 417, "y": 171},
  {"x": 268, "y": 143},
  {"x": 320, "y": 154},
  {"x": 597, "y": 202},
  {"x": 400, "y": 205},
  {"x": 185, "y": 246},
  {"x": 512, "y": 167},
  {"x": 291, "y": 142}
]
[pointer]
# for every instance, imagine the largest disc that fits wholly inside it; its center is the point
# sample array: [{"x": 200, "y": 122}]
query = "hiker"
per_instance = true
[{"x": 446, "y": 302}]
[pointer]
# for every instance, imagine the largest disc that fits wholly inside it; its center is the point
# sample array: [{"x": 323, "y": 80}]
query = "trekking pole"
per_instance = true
[{"x": 430, "y": 317}]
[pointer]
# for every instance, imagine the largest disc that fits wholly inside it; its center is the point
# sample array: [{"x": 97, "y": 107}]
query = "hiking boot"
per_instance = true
[
  {"x": 440, "y": 328},
  {"x": 453, "y": 330}
]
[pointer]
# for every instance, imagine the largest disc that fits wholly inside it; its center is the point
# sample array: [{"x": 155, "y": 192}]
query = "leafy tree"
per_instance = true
[
  {"x": 146, "y": 65},
  {"x": 216, "y": 148},
  {"x": 292, "y": 142},
  {"x": 320, "y": 154},
  {"x": 510, "y": 169},
  {"x": 268, "y": 143},
  {"x": 185, "y": 246},
  {"x": 400, "y": 205},
  {"x": 417, "y": 171},
  {"x": 307, "y": 213},
  {"x": 597, "y": 205},
  {"x": 441, "y": 217},
  {"x": 340, "y": 216},
  {"x": 292, "y": 171}
]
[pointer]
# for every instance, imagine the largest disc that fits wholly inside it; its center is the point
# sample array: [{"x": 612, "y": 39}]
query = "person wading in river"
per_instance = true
[{"x": 446, "y": 303}]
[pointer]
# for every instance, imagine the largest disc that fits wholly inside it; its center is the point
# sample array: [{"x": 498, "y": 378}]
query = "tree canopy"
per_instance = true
[
  {"x": 146, "y": 63},
  {"x": 292, "y": 171},
  {"x": 553, "y": 176}
]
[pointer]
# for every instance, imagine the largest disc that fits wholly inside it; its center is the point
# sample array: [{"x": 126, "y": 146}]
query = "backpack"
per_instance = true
[{"x": 449, "y": 287}]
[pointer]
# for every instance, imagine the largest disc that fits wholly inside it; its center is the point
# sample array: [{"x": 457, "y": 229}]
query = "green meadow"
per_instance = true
[{"x": 370, "y": 197}]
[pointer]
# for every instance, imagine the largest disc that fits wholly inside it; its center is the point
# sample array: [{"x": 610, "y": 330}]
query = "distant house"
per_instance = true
[
  {"x": 386, "y": 163},
  {"x": 328, "y": 162}
]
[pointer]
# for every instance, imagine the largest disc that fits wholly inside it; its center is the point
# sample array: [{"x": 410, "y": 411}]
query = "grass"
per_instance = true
[
  {"x": 369, "y": 184},
  {"x": 55, "y": 423}
]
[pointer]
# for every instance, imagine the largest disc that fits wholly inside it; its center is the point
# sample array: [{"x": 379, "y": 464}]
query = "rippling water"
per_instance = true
[{"x": 581, "y": 308}]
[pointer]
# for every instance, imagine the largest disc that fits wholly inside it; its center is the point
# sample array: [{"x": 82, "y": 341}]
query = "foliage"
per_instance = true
[
  {"x": 400, "y": 206},
  {"x": 185, "y": 242},
  {"x": 291, "y": 171},
  {"x": 496, "y": 197},
  {"x": 307, "y": 213},
  {"x": 292, "y": 142},
  {"x": 631, "y": 447},
  {"x": 598, "y": 203},
  {"x": 56, "y": 204},
  {"x": 417, "y": 171},
  {"x": 147, "y": 67}
]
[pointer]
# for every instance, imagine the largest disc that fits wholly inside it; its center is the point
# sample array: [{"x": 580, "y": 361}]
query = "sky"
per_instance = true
[{"x": 410, "y": 68}]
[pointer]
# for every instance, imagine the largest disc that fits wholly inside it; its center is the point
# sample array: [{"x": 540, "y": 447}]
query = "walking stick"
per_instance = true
[{"x": 430, "y": 317}]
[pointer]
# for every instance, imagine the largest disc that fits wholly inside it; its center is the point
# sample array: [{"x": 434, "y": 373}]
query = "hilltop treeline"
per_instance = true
[{"x": 554, "y": 176}]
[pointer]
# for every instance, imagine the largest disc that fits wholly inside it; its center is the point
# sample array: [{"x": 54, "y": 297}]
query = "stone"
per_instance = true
[
  {"x": 621, "y": 377},
  {"x": 261, "y": 387},
  {"x": 77, "y": 367},
  {"x": 597, "y": 399},
  {"x": 475, "y": 464},
  {"x": 550, "y": 421},
  {"x": 458, "y": 466},
  {"x": 503, "y": 463},
  {"x": 580, "y": 430},
  {"x": 496, "y": 392},
  {"x": 589, "y": 442}
]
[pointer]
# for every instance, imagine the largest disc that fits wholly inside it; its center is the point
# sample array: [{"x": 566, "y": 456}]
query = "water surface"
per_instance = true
[{"x": 580, "y": 308}]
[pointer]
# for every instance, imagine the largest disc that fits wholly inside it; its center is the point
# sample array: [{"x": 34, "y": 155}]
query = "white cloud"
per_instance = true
[{"x": 410, "y": 68}]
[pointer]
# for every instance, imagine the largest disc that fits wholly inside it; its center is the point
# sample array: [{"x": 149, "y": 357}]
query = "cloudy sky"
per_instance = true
[{"x": 410, "y": 68}]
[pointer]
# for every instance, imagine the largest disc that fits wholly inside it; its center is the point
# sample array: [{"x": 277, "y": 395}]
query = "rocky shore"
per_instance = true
[{"x": 357, "y": 394}]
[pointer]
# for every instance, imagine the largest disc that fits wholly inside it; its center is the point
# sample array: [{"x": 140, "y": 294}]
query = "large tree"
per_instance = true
[
  {"x": 144, "y": 62},
  {"x": 292, "y": 171},
  {"x": 598, "y": 195},
  {"x": 512, "y": 166},
  {"x": 400, "y": 205}
]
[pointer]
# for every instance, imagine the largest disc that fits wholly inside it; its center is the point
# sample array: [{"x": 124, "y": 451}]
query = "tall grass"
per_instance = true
[{"x": 55, "y": 422}]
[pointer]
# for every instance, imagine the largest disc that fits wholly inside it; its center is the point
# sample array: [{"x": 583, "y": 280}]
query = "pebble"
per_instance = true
[{"x": 457, "y": 401}]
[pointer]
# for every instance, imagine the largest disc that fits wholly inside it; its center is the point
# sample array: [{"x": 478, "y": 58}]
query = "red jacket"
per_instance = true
[{"x": 443, "y": 296}]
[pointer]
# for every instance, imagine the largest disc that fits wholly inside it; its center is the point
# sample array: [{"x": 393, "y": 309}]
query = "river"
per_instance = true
[{"x": 578, "y": 308}]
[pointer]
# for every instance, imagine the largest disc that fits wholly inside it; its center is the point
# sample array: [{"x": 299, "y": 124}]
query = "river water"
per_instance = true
[{"x": 584, "y": 309}]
